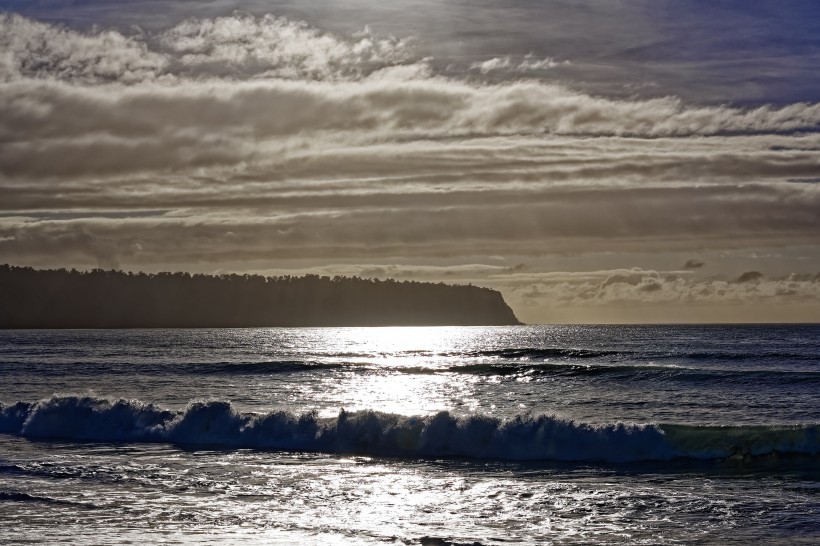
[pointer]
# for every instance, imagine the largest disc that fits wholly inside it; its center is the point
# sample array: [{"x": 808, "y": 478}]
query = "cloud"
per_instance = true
[
  {"x": 750, "y": 277},
  {"x": 527, "y": 63},
  {"x": 239, "y": 46},
  {"x": 31, "y": 49},
  {"x": 276, "y": 77},
  {"x": 54, "y": 128},
  {"x": 507, "y": 224},
  {"x": 693, "y": 264},
  {"x": 460, "y": 273},
  {"x": 275, "y": 47},
  {"x": 662, "y": 48},
  {"x": 648, "y": 287}
]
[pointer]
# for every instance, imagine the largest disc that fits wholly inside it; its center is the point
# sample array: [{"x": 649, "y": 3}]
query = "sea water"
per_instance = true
[{"x": 433, "y": 436}]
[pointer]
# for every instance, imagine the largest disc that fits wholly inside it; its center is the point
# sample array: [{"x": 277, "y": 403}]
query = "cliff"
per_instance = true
[{"x": 59, "y": 298}]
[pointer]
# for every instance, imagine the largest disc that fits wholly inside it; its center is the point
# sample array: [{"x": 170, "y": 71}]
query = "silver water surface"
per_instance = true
[{"x": 57, "y": 491}]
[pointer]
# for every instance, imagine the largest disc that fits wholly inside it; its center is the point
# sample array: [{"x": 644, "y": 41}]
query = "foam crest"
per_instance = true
[{"x": 525, "y": 437}]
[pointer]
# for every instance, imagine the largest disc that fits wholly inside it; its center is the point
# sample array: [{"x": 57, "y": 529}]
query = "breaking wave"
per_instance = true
[{"x": 523, "y": 438}]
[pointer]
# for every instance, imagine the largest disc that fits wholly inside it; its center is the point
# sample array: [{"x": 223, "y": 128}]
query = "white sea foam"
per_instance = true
[{"x": 525, "y": 437}]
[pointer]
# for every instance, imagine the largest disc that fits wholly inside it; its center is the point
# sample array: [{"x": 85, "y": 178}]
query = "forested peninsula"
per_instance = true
[{"x": 60, "y": 298}]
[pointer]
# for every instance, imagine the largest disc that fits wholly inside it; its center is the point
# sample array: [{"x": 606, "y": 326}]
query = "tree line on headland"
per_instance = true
[{"x": 60, "y": 298}]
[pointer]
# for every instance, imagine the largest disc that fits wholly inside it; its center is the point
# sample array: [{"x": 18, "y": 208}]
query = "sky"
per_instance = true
[{"x": 594, "y": 160}]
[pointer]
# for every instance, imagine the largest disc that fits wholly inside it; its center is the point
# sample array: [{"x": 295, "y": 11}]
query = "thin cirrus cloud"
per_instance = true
[{"x": 244, "y": 138}]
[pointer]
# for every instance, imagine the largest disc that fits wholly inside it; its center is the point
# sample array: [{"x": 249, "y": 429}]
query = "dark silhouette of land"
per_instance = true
[{"x": 31, "y": 298}]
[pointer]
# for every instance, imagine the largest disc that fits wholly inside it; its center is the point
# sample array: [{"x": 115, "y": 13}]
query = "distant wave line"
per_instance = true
[
  {"x": 581, "y": 353},
  {"x": 497, "y": 368}
]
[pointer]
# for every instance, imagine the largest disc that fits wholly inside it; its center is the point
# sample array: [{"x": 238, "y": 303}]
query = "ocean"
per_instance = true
[{"x": 431, "y": 436}]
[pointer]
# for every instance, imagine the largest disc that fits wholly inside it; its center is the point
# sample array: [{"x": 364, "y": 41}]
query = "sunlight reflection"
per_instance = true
[
  {"x": 416, "y": 351},
  {"x": 401, "y": 394},
  {"x": 406, "y": 341}
]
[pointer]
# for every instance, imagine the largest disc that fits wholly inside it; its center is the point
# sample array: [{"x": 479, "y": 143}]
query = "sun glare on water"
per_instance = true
[{"x": 407, "y": 369}]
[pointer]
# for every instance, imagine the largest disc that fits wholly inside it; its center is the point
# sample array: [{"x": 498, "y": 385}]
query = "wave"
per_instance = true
[
  {"x": 532, "y": 353},
  {"x": 16, "y": 496},
  {"x": 503, "y": 368},
  {"x": 498, "y": 368},
  {"x": 643, "y": 371},
  {"x": 196, "y": 368},
  {"x": 522, "y": 438},
  {"x": 810, "y": 355},
  {"x": 266, "y": 367},
  {"x": 529, "y": 353}
]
